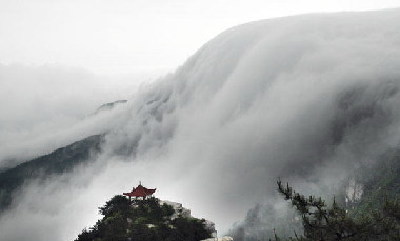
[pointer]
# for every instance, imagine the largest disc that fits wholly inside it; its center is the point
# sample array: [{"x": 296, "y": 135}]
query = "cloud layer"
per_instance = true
[
  {"x": 305, "y": 98},
  {"x": 49, "y": 106}
]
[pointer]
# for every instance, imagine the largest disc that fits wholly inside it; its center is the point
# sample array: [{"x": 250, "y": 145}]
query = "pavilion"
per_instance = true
[{"x": 140, "y": 191}]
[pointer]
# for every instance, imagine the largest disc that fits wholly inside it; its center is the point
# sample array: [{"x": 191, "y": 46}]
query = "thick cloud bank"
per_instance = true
[
  {"x": 42, "y": 107},
  {"x": 305, "y": 98}
]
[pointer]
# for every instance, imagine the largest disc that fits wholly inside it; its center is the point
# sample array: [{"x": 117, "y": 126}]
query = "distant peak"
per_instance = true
[{"x": 110, "y": 105}]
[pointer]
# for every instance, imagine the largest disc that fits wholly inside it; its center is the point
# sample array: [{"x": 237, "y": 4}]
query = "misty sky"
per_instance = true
[
  {"x": 61, "y": 59},
  {"x": 134, "y": 36},
  {"x": 297, "y": 80}
]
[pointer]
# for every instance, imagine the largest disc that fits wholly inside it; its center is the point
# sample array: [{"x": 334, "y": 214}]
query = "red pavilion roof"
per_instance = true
[{"x": 140, "y": 191}]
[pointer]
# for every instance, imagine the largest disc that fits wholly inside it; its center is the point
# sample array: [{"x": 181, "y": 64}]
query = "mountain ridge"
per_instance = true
[{"x": 60, "y": 161}]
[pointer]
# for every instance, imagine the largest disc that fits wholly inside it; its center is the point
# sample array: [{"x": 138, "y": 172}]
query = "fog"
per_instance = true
[
  {"x": 44, "y": 107},
  {"x": 128, "y": 36},
  {"x": 305, "y": 98}
]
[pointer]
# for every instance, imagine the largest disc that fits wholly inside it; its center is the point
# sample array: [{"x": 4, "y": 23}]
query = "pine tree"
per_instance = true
[{"x": 333, "y": 223}]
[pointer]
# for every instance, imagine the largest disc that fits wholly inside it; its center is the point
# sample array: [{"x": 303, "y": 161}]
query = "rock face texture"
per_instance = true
[{"x": 181, "y": 211}]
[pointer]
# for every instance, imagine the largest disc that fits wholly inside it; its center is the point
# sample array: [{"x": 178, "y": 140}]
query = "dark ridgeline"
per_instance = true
[{"x": 62, "y": 160}]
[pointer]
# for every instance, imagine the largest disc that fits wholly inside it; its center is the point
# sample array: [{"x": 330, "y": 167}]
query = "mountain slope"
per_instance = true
[{"x": 60, "y": 161}]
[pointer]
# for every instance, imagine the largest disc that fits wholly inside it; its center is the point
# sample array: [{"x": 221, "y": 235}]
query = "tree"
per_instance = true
[
  {"x": 118, "y": 203},
  {"x": 143, "y": 220},
  {"x": 323, "y": 223}
]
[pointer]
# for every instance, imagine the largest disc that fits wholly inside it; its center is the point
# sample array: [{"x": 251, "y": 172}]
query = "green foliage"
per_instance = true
[
  {"x": 118, "y": 204},
  {"x": 189, "y": 229},
  {"x": 381, "y": 181},
  {"x": 333, "y": 223},
  {"x": 143, "y": 220}
]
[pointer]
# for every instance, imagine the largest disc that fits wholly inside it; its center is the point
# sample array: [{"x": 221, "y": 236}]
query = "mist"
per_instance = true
[
  {"x": 45, "y": 107},
  {"x": 305, "y": 98}
]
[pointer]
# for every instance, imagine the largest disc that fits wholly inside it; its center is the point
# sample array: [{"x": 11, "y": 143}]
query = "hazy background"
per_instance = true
[
  {"x": 60, "y": 60},
  {"x": 318, "y": 93},
  {"x": 134, "y": 36}
]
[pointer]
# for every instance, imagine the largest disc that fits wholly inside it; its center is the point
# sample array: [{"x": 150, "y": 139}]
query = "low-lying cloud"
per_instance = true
[
  {"x": 305, "y": 98},
  {"x": 49, "y": 106}
]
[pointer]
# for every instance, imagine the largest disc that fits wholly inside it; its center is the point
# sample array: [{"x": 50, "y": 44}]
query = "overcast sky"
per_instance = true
[
  {"x": 203, "y": 116},
  {"x": 134, "y": 36}
]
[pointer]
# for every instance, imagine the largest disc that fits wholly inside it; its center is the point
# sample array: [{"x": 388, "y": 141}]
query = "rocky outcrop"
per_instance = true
[{"x": 181, "y": 211}]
